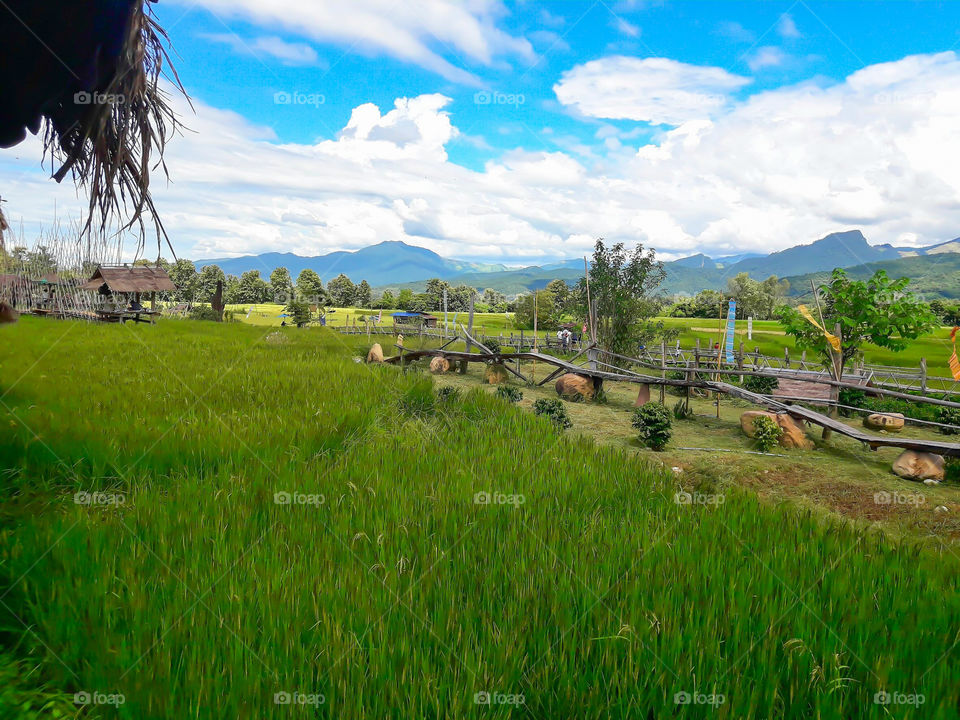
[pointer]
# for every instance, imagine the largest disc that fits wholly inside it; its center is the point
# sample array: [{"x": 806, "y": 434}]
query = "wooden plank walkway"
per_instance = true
[{"x": 798, "y": 411}]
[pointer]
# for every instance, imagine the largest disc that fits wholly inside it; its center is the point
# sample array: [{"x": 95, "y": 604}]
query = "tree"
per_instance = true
[
  {"x": 207, "y": 282},
  {"x": 309, "y": 286},
  {"x": 435, "y": 288},
  {"x": 341, "y": 291},
  {"x": 253, "y": 288},
  {"x": 621, "y": 288},
  {"x": 405, "y": 299},
  {"x": 386, "y": 300},
  {"x": 281, "y": 285},
  {"x": 231, "y": 290},
  {"x": 541, "y": 301},
  {"x": 878, "y": 311},
  {"x": 364, "y": 295},
  {"x": 708, "y": 304},
  {"x": 757, "y": 299},
  {"x": 493, "y": 298},
  {"x": 458, "y": 298},
  {"x": 561, "y": 295},
  {"x": 183, "y": 273}
]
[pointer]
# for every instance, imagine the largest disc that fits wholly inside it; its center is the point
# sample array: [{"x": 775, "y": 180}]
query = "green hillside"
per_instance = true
[{"x": 934, "y": 276}]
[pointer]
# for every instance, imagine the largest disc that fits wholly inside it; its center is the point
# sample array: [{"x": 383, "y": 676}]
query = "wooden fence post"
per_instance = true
[
  {"x": 786, "y": 357},
  {"x": 663, "y": 369},
  {"x": 740, "y": 360},
  {"x": 923, "y": 376}
]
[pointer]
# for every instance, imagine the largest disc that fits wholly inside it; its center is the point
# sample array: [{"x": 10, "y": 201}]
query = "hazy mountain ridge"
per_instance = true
[{"x": 396, "y": 265}]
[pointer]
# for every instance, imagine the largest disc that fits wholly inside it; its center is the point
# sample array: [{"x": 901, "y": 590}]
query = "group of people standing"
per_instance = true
[{"x": 565, "y": 338}]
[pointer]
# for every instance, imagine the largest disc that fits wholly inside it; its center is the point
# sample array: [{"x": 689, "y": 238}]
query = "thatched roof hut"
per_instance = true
[
  {"x": 86, "y": 77},
  {"x": 130, "y": 279}
]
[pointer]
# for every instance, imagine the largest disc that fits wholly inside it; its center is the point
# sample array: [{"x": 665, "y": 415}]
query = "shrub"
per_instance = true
[
  {"x": 682, "y": 411},
  {"x": 951, "y": 416},
  {"x": 509, "y": 393},
  {"x": 853, "y": 398},
  {"x": 951, "y": 470},
  {"x": 492, "y": 345},
  {"x": 204, "y": 312},
  {"x": 448, "y": 393},
  {"x": 760, "y": 384},
  {"x": 653, "y": 422},
  {"x": 767, "y": 433},
  {"x": 554, "y": 411}
]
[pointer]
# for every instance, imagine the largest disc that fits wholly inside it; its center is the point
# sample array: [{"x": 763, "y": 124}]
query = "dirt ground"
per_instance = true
[{"x": 840, "y": 476}]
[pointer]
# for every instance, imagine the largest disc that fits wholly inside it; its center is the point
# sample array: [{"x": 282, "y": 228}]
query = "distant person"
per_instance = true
[
  {"x": 560, "y": 339},
  {"x": 135, "y": 305}
]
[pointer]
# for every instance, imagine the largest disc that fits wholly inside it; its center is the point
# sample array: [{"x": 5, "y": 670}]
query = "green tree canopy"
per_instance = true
[
  {"x": 877, "y": 311},
  {"x": 544, "y": 302},
  {"x": 342, "y": 291},
  {"x": 253, "y": 288},
  {"x": 364, "y": 295},
  {"x": 281, "y": 285},
  {"x": 207, "y": 282},
  {"x": 309, "y": 286},
  {"x": 184, "y": 275},
  {"x": 622, "y": 287}
]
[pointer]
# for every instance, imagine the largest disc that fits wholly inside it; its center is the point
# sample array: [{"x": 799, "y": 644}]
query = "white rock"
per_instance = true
[
  {"x": 677, "y": 469},
  {"x": 931, "y": 481},
  {"x": 940, "y": 509}
]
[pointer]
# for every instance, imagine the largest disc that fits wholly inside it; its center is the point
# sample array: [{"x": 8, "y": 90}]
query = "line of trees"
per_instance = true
[
  {"x": 341, "y": 291},
  {"x": 757, "y": 299}
]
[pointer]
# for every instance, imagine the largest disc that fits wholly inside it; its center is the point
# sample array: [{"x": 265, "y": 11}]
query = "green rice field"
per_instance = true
[{"x": 240, "y": 521}]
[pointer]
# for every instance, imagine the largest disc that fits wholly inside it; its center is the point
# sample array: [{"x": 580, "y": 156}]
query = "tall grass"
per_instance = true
[{"x": 429, "y": 552}]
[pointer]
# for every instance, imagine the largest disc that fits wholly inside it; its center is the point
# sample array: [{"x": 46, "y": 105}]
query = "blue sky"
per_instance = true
[
  {"x": 820, "y": 41},
  {"x": 519, "y": 132}
]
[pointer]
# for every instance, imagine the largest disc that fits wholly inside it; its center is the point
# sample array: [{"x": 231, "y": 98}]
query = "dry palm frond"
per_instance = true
[{"x": 109, "y": 150}]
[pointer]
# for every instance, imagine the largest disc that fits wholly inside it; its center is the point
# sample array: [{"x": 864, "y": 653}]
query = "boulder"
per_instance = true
[
  {"x": 891, "y": 422},
  {"x": 747, "y": 419},
  {"x": 439, "y": 365},
  {"x": 914, "y": 465},
  {"x": 376, "y": 354},
  {"x": 793, "y": 432},
  {"x": 7, "y": 313},
  {"x": 495, "y": 374},
  {"x": 643, "y": 396},
  {"x": 574, "y": 387}
]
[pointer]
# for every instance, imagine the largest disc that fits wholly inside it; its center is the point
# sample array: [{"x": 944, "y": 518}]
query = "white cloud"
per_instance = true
[
  {"x": 654, "y": 90},
  {"x": 287, "y": 52},
  {"x": 876, "y": 151},
  {"x": 766, "y": 57},
  {"x": 787, "y": 27},
  {"x": 413, "y": 31}
]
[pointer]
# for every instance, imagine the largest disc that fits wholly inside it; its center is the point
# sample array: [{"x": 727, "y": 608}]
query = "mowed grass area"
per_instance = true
[{"x": 383, "y": 588}]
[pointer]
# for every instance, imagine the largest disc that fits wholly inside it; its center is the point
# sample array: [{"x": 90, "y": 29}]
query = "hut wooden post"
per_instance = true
[
  {"x": 663, "y": 369},
  {"x": 464, "y": 364}
]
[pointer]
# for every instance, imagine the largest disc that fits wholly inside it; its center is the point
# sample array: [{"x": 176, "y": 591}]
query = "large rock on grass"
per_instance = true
[
  {"x": 891, "y": 422},
  {"x": 915, "y": 465},
  {"x": 749, "y": 417},
  {"x": 7, "y": 313},
  {"x": 439, "y": 365},
  {"x": 376, "y": 354},
  {"x": 793, "y": 436},
  {"x": 495, "y": 374},
  {"x": 575, "y": 387}
]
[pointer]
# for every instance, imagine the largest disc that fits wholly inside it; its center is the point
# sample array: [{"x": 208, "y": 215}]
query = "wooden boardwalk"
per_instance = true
[{"x": 769, "y": 402}]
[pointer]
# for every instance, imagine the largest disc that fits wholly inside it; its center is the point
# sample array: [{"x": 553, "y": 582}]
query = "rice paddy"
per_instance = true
[{"x": 232, "y": 521}]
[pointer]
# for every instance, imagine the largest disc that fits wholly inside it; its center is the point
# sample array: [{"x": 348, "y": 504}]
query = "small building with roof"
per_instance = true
[{"x": 414, "y": 319}]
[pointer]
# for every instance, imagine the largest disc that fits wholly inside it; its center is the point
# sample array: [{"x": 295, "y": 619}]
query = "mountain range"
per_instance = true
[
  {"x": 396, "y": 265},
  {"x": 379, "y": 264}
]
